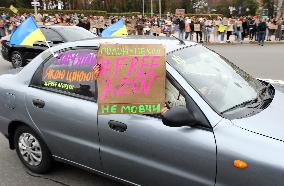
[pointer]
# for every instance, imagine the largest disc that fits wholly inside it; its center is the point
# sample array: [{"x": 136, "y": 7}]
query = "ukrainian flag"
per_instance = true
[
  {"x": 117, "y": 29},
  {"x": 27, "y": 33}
]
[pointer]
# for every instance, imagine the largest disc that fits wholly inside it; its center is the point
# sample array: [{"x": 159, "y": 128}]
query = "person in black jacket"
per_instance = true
[
  {"x": 262, "y": 26},
  {"x": 252, "y": 28},
  {"x": 181, "y": 25}
]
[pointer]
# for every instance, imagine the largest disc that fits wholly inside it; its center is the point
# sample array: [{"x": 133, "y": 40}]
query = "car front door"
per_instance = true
[
  {"x": 142, "y": 150},
  {"x": 61, "y": 103}
]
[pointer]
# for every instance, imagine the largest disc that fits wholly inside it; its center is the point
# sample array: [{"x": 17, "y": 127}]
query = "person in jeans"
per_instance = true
[
  {"x": 262, "y": 26},
  {"x": 187, "y": 27},
  {"x": 238, "y": 30},
  {"x": 221, "y": 30},
  {"x": 208, "y": 30}
]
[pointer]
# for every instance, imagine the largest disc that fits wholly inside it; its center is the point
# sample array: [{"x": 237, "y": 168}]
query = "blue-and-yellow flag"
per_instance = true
[
  {"x": 27, "y": 33},
  {"x": 117, "y": 29}
]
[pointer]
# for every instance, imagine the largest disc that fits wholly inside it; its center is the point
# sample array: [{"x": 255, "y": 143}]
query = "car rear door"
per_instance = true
[
  {"x": 142, "y": 150},
  {"x": 61, "y": 102}
]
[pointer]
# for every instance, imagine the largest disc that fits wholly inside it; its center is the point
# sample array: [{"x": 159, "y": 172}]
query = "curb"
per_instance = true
[{"x": 244, "y": 43}]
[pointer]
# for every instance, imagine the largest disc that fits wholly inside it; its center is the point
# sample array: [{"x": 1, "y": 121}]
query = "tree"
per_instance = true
[
  {"x": 222, "y": 8},
  {"x": 243, "y": 5},
  {"x": 280, "y": 8},
  {"x": 269, "y": 4},
  {"x": 5, "y": 3}
]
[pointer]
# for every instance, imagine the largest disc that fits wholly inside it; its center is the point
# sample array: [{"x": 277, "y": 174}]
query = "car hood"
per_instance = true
[{"x": 270, "y": 121}]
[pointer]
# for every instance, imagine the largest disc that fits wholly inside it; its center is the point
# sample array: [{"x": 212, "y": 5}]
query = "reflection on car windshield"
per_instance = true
[
  {"x": 75, "y": 33},
  {"x": 221, "y": 83}
]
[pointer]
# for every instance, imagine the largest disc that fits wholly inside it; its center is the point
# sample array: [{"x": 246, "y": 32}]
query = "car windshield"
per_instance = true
[
  {"x": 75, "y": 33},
  {"x": 222, "y": 84}
]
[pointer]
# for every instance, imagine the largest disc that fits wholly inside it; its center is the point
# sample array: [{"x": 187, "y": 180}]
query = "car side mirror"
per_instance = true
[{"x": 178, "y": 116}]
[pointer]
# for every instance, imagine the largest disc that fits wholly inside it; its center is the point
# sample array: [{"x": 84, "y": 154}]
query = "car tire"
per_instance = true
[
  {"x": 32, "y": 151},
  {"x": 17, "y": 59}
]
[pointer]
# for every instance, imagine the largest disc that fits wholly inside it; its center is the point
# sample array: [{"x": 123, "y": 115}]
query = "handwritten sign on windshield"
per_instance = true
[{"x": 132, "y": 78}]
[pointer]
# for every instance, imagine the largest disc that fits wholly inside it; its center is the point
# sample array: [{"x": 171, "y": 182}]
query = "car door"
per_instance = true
[
  {"x": 142, "y": 150},
  {"x": 61, "y": 102}
]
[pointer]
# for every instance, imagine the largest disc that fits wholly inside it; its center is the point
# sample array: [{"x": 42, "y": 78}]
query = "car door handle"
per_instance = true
[
  {"x": 117, "y": 126},
  {"x": 38, "y": 103}
]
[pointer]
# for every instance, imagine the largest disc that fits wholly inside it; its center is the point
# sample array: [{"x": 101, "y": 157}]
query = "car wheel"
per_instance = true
[
  {"x": 17, "y": 59},
  {"x": 31, "y": 150}
]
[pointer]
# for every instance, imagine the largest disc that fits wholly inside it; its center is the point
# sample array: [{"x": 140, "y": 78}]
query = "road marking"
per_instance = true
[{"x": 272, "y": 81}]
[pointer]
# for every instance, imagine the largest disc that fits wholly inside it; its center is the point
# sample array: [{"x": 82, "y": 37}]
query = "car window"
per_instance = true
[
  {"x": 173, "y": 96},
  {"x": 219, "y": 82},
  {"x": 71, "y": 33},
  {"x": 51, "y": 35},
  {"x": 71, "y": 73}
]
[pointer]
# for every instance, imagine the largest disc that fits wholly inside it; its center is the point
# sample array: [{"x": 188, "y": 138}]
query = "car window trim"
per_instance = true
[{"x": 189, "y": 101}]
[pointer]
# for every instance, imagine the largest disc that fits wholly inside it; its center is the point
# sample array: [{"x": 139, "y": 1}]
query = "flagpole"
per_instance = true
[{"x": 50, "y": 48}]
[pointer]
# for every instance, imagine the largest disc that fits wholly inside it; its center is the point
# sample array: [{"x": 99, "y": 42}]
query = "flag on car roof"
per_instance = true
[
  {"x": 27, "y": 33},
  {"x": 117, "y": 29}
]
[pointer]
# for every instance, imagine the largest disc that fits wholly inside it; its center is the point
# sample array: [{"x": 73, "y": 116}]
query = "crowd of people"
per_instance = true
[{"x": 198, "y": 29}]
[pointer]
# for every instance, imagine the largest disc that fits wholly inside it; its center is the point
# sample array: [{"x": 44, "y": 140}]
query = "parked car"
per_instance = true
[
  {"x": 228, "y": 129},
  {"x": 20, "y": 55}
]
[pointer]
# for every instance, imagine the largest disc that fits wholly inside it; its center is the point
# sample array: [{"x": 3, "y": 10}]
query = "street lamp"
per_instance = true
[{"x": 160, "y": 9}]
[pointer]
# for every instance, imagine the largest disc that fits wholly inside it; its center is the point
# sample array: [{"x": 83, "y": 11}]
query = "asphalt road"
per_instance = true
[
  {"x": 262, "y": 62},
  {"x": 266, "y": 62}
]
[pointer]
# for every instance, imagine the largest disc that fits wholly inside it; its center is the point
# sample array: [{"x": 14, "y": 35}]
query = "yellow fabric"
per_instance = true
[
  {"x": 35, "y": 36},
  {"x": 120, "y": 32},
  {"x": 222, "y": 28},
  {"x": 13, "y": 9}
]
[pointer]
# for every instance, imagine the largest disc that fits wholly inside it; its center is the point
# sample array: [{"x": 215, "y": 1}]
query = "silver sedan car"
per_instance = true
[{"x": 223, "y": 126}]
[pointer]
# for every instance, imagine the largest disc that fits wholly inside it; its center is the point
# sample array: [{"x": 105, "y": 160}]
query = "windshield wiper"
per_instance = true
[
  {"x": 261, "y": 96},
  {"x": 241, "y": 105}
]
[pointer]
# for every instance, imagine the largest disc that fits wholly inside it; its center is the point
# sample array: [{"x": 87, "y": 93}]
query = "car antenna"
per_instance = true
[{"x": 181, "y": 42}]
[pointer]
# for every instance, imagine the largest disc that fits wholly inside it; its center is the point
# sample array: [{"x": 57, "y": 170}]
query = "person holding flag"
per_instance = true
[{"x": 117, "y": 29}]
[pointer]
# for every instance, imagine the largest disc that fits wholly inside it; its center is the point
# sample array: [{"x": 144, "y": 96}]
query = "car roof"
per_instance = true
[
  {"x": 171, "y": 44},
  {"x": 56, "y": 26}
]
